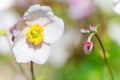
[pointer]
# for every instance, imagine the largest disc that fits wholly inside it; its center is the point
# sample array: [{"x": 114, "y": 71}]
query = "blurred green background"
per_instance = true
[{"x": 67, "y": 60}]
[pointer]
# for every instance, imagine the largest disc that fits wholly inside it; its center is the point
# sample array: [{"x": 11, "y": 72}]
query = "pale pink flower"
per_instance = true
[{"x": 79, "y": 9}]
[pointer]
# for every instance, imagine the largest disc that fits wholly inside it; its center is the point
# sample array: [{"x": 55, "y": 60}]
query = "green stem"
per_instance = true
[
  {"x": 32, "y": 71},
  {"x": 105, "y": 58},
  {"x": 90, "y": 37}
]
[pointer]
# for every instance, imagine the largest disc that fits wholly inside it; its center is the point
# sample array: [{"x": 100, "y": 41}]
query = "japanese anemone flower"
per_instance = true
[{"x": 34, "y": 33}]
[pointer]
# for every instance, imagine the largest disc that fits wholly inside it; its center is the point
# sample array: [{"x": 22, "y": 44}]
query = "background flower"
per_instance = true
[
  {"x": 80, "y": 8},
  {"x": 114, "y": 31},
  {"x": 61, "y": 49},
  {"x": 116, "y": 6},
  {"x": 6, "y": 4},
  {"x": 7, "y": 19}
]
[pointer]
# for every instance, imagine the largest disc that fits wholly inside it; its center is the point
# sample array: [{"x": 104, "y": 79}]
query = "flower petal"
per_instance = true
[
  {"x": 18, "y": 27},
  {"x": 19, "y": 34},
  {"x": 39, "y": 14},
  {"x": 54, "y": 30},
  {"x": 20, "y": 47},
  {"x": 24, "y": 52},
  {"x": 41, "y": 55}
]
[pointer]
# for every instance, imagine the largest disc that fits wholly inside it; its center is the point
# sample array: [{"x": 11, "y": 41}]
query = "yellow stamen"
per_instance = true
[{"x": 35, "y": 34}]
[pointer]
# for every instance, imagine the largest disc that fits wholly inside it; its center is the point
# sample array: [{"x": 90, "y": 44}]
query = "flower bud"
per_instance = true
[
  {"x": 85, "y": 30},
  {"x": 93, "y": 28},
  {"x": 88, "y": 47}
]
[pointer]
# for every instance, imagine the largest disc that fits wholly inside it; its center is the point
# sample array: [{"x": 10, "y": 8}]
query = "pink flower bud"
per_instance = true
[
  {"x": 88, "y": 47},
  {"x": 84, "y": 30},
  {"x": 93, "y": 28}
]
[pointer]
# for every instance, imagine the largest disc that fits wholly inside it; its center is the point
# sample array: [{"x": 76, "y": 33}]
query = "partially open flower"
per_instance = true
[
  {"x": 93, "y": 28},
  {"x": 84, "y": 30},
  {"x": 34, "y": 33},
  {"x": 88, "y": 47}
]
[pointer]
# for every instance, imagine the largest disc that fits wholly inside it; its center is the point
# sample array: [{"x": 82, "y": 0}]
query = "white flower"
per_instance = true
[
  {"x": 6, "y": 4},
  {"x": 34, "y": 33},
  {"x": 10, "y": 17},
  {"x": 61, "y": 50},
  {"x": 104, "y": 5},
  {"x": 116, "y": 6},
  {"x": 114, "y": 31}
]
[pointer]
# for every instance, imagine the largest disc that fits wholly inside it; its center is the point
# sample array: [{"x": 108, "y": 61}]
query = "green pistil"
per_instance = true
[{"x": 35, "y": 33}]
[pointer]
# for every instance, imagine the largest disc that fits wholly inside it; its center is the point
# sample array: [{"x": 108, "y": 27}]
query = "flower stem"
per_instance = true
[
  {"x": 32, "y": 71},
  {"x": 105, "y": 58},
  {"x": 90, "y": 37}
]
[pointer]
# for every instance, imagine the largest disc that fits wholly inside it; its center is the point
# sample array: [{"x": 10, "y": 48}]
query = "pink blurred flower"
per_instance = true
[{"x": 80, "y": 8}]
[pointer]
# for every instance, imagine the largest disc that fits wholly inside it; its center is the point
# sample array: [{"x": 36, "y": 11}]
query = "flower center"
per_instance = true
[{"x": 35, "y": 34}]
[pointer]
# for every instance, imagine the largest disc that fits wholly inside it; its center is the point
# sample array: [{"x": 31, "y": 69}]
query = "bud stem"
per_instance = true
[
  {"x": 105, "y": 58},
  {"x": 90, "y": 37}
]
